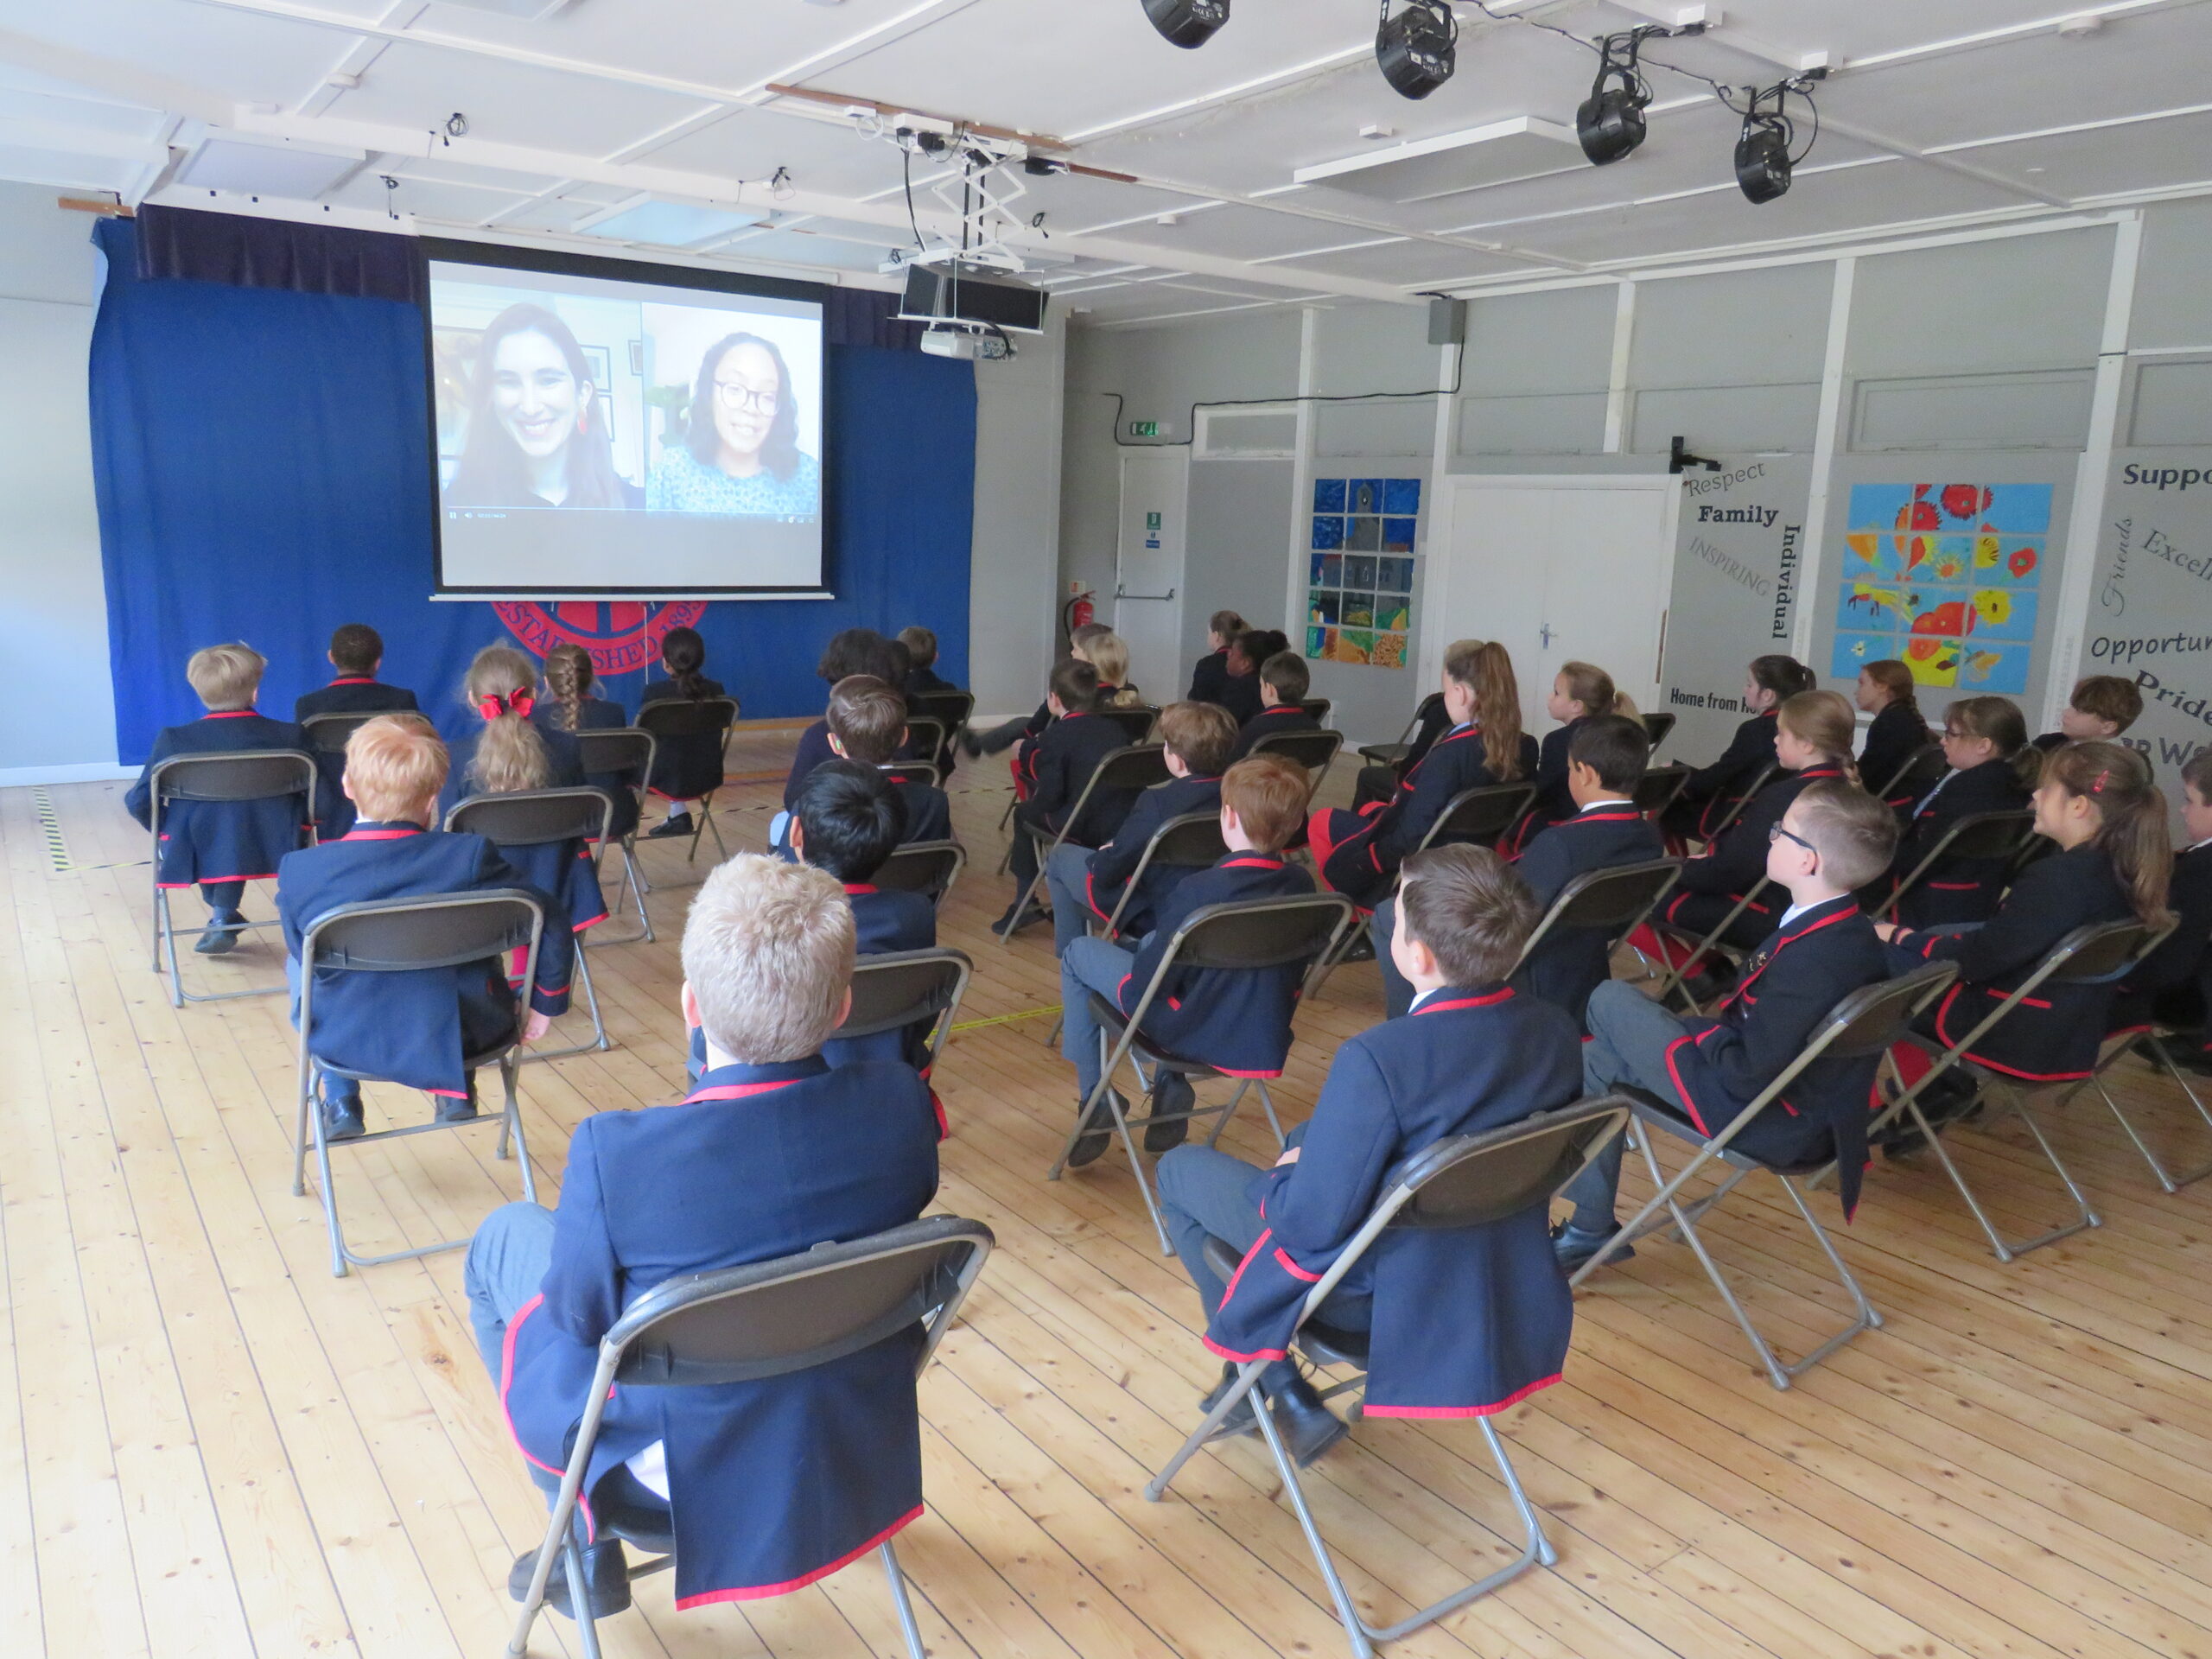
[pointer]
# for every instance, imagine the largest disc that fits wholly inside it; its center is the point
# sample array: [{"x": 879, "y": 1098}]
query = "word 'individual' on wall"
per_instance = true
[
  {"x": 1945, "y": 578},
  {"x": 1359, "y": 586}
]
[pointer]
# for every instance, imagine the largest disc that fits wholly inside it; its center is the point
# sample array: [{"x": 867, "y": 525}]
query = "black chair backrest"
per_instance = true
[
  {"x": 925, "y": 734},
  {"x": 1989, "y": 834},
  {"x": 896, "y": 990},
  {"x": 1480, "y": 815},
  {"x": 327, "y": 734},
  {"x": 911, "y": 772},
  {"x": 1469, "y": 1180},
  {"x": 797, "y": 1311},
  {"x": 1613, "y": 898},
  {"x": 1253, "y": 933},
  {"x": 1736, "y": 804},
  {"x": 1135, "y": 723},
  {"x": 391, "y": 935},
  {"x": 1656, "y": 726},
  {"x": 1139, "y": 766},
  {"x": 2101, "y": 951},
  {"x": 681, "y": 717},
  {"x": 530, "y": 818},
  {"x": 951, "y": 708},
  {"x": 925, "y": 867},
  {"x": 1312, "y": 750},
  {"x": 1655, "y": 790},
  {"x": 242, "y": 775},
  {"x": 616, "y": 748},
  {"x": 1926, "y": 762},
  {"x": 1316, "y": 707},
  {"x": 1875, "y": 1016},
  {"x": 1192, "y": 842}
]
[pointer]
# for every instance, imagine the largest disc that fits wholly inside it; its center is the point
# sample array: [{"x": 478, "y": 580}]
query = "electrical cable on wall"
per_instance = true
[{"x": 1458, "y": 376}]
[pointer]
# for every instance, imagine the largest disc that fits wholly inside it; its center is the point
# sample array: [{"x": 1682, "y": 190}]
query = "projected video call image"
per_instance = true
[{"x": 633, "y": 406}]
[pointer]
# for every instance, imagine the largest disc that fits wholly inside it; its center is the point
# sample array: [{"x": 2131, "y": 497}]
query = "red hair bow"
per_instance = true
[{"x": 517, "y": 703}]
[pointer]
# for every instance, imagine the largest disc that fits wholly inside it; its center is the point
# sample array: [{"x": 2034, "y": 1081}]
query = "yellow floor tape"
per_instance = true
[{"x": 1007, "y": 1019}]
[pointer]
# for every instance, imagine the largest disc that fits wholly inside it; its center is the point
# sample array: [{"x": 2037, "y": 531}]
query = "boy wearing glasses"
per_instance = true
[{"x": 1833, "y": 841}]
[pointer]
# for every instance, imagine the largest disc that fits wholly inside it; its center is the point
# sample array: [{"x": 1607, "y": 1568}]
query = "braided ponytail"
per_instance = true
[
  {"x": 510, "y": 754},
  {"x": 2131, "y": 828},
  {"x": 569, "y": 676}
]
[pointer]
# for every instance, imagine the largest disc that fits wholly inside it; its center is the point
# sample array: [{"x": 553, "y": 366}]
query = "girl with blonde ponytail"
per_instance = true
[
  {"x": 1580, "y": 692},
  {"x": 2098, "y": 802},
  {"x": 1813, "y": 736}
]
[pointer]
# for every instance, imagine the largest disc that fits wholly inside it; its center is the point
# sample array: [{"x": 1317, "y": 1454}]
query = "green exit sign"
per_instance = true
[{"x": 1144, "y": 428}]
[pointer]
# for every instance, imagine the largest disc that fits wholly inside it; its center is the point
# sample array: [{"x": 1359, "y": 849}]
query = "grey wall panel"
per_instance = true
[
  {"x": 1554, "y": 342},
  {"x": 1012, "y": 563},
  {"x": 1568, "y": 424},
  {"x": 1238, "y": 552},
  {"x": 2037, "y": 410},
  {"x": 2173, "y": 300},
  {"x": 1978, "y": 307},
  {"x": 1393, "y": 428},
  {"x": 1733, "y": 328},
  {"x": 1713, "y": 418},
  {"x": 1248, "y": 431},
  {"x": 1373, "y": 348},
  {"x": 2171, "y": 402}
]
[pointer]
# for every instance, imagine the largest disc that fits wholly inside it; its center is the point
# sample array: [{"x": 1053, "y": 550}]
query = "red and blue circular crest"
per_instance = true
[{"x": 621, "y": 637}]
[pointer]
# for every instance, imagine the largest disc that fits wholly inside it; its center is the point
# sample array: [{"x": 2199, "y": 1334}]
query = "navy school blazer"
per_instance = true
[
  {"x": 1710, "y": 788},
  {"x": 1894, "y": 735},
  {"x": 1362, "y": 860},
  {"x": 1237, "y": 1022},
  {"x": 1712, "y": 882},
  {"x": 1553, "y": 804},
  {"x": 1110, "y": 867},
  {"x": 1465, "y": 1321},
  {"x": 773, "y": 1483},
  {"x": 2174, "y": 984},
  {"x": 353, "y": 694},
  {"x": 685, "y": 768},
  {"x": 814, "y": 748},
  {"x": 597, "y": 715},
  {"x": 1283, "y": 717},
  {"x": 2053, "y": 1034},
  {"x": 921, "y": 680},
  {"x": 221, "y": 840},
  {"x": 413, "y": 1028},
  {"x": 1209, "y": 675},
  {"x": 1239, "y": 694},
  {"x": 1064, "y": 757},
  {"x": 1958, "y": 889},
  {"x": 1788, "y": 986},
  {"x": 928, "y": 817},
  {"x": 565, "y": 868},
  {"x": 1571, "y": 962}
]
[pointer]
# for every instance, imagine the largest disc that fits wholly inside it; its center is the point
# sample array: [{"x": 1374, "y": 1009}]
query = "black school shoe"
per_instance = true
[
  {"x": 1171, "y": 1092},
  {"x": 341, "y": 1117},
  {"x": 1572, "y": 1247},
  {"x": 1091, "y": 1146},
  {"x": 450, "y": 1110},
  {"x": 675, "y": 824},
  {"x": 1308, "y": 1427},
  {"x": 1009, "y": 924},
  {"x": 607, "y": 1580},
  {"x": 221, "y": 935}
]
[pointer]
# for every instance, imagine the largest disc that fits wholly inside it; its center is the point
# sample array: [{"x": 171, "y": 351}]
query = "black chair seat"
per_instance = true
[
  {"x": 623, "y": 1507},
  {"x": 1145, "y": 1050},
  {"x": 1385, "y": 754}
]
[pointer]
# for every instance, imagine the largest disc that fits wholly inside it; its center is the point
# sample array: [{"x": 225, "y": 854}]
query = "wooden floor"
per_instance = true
[{"x": 208, "y": 1445}]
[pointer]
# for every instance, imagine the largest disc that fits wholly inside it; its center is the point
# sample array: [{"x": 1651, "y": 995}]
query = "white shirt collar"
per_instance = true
[
  {"x": 1422, "y": 998},
  {"x": 1597, "y": 805}
]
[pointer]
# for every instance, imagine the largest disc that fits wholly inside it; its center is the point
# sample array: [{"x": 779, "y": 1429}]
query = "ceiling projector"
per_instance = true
[{"x": 941, "y": 342}]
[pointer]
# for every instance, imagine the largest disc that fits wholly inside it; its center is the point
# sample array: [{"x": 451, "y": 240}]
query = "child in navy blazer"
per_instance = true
[
  {"x": 409, "y": 1028},
  {"x": 771, "y": 1483},
  {"x": 1464, "y": 1322},
  {"x": 1237, "y": 1022},
  {"x": 1084, "y": 883},
  {"x": 850, "y": 651},
  {"x": 684, "y": 768},
  {"x": 2115, "y": 860},
  {"x": 1992, "y": 769},
  {"x": 357, "y": 652},
  {"x": 1064, "y": 758},
  {"x": 1284, "y": 683},
  {"x": 497, "y": 749},
  {"x": 2173, "y": 985},
  {"x": 1209, "y": 674},
  {"x": 1834, "y": 838},
  {"x": 570, "y": 707},
  {"x": 1358, "y": 853},
  {"x": 2099, "y": 709},
  {"x": 222, "y": 845},
  {"x": 1580, "y": 692},
  {"x": 1897, "y": 735},
  {"x": 1812, "y": 741},
  {"x": 868, "y": 723},
  {"x": 1769, "y": 683}
]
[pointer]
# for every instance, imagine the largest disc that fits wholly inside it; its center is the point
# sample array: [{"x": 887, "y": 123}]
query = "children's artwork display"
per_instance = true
[
  {"x": 1359, "y": 585},
  {"x": 1946, "y": 578}
]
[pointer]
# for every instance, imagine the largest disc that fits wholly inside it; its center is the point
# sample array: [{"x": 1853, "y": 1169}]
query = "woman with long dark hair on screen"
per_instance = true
[
  {"x": 740, "y": 454},
  {"x": 537, "y": 433}
]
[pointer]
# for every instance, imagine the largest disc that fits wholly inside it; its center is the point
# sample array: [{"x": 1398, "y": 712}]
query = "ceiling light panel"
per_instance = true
[
  {"x": 248, "y": 59},
  {"x": 673, "y": 224},
  {"x": 1498, "y": 152}
]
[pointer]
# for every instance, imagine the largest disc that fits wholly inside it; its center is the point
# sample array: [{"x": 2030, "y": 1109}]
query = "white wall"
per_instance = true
[
  {"x": 53, "y": 610},
  {"x": 1013, "y": 582}
]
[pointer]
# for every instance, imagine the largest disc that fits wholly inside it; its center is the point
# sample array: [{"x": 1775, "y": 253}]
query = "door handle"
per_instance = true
[
  {"x": 1121, "y": 593},
  {"x": 1546, "y": 632}
]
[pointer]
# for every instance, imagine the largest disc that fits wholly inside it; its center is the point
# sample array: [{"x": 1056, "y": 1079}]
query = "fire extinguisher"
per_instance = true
[{"x": 1078, "y": 612}]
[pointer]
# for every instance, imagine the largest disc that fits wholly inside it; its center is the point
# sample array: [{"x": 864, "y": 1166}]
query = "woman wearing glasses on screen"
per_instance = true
[
  {"x": 740, "y": 452},
  {"x": 537, "y": 433}
]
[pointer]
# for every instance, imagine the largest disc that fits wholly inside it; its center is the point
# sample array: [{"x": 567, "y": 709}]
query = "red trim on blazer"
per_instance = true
[
  {"x": 755, "y": 1593},
  {"x": 1243, "y": 1359},
  {"x": 1466, "y": 1002},
  {"x": 380, "y": 835},
  {"x": 1955, "y": 887},
  {"x": 735, "y": 1090},
  {"x": 1292, "y": 1268},
  {"x": 507, "y": 1382},
  {"x": 1674, "y": 1075},
  {"x": 213, "y": 880},
  {"x": 1943, "y": 1009},
  {"x": 227, "y": 714},
  {"x": 1510, "y": 1399},
  {"x": 1227, "y": 1071},
  {"x": 1258, "y": 1244},
  {"x": 852, "y": 887},
  {"x": 1249, "y": 862},
  {"x": 355, "y": 679}
]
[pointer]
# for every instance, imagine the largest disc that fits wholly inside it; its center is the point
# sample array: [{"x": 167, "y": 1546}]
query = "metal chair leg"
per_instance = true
[
  {"x": 572, "y": 1563},
  {"x": 600, "y": 1041},
  {"x": 634, "y": 887},
  {"x": 907, "y": 1627},
  {"x": 2167, "y": 1179}
]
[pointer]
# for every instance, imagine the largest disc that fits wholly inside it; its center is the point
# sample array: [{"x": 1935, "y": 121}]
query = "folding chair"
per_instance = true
[
  {"x": 1655, "y": 790},
  {"x": 925, "y": 736},
  {"x": 630, "y": 750},
  {"x": 1315, "y": 751},
  {"x": 1865, "y": 1022},
  {"x": 1247, "y": 934},
  {"x": 1657, "y": 727},
  {"x": 2148, "y": 1040},
  {"x": 901, "y": 989},
  {"x": 1979, "y": 836},
  {"x": 1136, "y": 723},
  {"x": 2088, "y": 956},
  {"x": 391, "y": 935},
  {"x": 1318, "y": 708},
  {"x": 1696, "y": 947},
  {"x": 709, "y": 717},
  {"x": 1736, "y": 807},
  {"x": 1389, "y": 754},
  {"x": 1469, "y": 1180},
  {"x": 532, "y": 818},
  {"x": 1139, "y": 766},
  {"x": 1617, "y": 899},
  {"x": 1480, "y": 814},
  {"x": 746, "y": 1325},
  {"x": 1920, "y": 757},
  {"x": 952, "y": 710},
  {"x": 1192, "y": 842},
  {"x": 327, "y": 734},
  {"x": 929, "y": 868},
  {"x": 912, "y": 771},
  {"x": 243, "y": 775}
]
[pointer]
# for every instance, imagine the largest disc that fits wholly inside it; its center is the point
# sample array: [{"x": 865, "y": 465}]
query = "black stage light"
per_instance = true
[
  {"x": 1187, "y": 23},
  {"x": 1610, "y": 123},
  {"x": 1763, "y": 159},
  {"x": 1414, "y": 48}
]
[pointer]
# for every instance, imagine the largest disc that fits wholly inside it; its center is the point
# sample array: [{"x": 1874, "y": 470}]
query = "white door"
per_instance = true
[
  {"x": 1148, "y": 568},
  {"x": 1556, "y": 570}
]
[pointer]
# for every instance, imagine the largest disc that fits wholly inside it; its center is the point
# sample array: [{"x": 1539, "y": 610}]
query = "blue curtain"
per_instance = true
[{"x": 260, "y": 458}]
